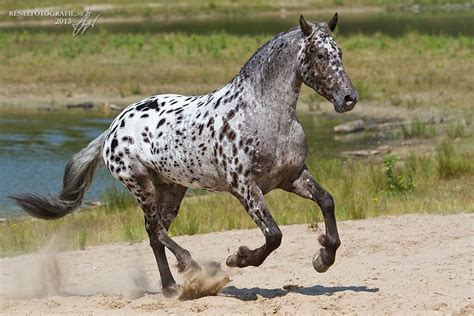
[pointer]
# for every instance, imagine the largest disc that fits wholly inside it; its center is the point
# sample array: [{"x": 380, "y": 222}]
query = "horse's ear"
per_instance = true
[
  {"x": 305, "y": 27},
  {"x": 332, "y": 24}
]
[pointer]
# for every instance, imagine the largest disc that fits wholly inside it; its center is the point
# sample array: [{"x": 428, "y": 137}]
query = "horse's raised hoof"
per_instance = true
[
  {"x": 240, "y": 258},
  {"x": 318, "y": 263}
]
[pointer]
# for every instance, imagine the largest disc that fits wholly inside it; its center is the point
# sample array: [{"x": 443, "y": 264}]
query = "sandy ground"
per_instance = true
[{"x": 415, "y": 263}]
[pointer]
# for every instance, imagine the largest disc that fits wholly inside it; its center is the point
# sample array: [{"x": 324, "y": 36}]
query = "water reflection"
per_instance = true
[{"x": 392, "y": 24}]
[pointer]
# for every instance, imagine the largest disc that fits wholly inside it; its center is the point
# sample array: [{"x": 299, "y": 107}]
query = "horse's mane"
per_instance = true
[{"x": 268, "y": 48}]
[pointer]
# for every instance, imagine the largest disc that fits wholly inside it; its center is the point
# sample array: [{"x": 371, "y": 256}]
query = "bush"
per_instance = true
[{"x": 396, "y": 182}]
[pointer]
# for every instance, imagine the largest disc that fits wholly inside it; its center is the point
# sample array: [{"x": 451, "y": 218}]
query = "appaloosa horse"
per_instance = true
[{"x": 243, "y": 138}]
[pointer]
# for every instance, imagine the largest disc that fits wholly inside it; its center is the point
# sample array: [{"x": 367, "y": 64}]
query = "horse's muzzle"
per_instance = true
[{"x": 348, "y": 103}]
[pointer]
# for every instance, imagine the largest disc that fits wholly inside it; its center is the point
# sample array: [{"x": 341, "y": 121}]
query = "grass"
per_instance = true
[
  {"x": 418, "y": 129},
  {"x": 421, "y": 183},
  {"x": 116, "y": 200},
  {"x": 112, "y": 66},
  {"x": 452, "y": 163},
  {"x": 456, "y": 130}
]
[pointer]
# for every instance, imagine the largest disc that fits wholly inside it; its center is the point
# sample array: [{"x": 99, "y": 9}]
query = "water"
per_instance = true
[
  {"x": 386, "y": 23},
  {"x": 393, "y": 24},
  {"x": 34, "y": 149}
]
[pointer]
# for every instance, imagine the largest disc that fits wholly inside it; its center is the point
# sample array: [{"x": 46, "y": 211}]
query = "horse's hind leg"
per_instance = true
[
  {"x": 254, "y": 204},
  {"x": 168, "y": 283},
  {"x": 159, "y": 217},
  {"x": 306, "y": 186},
  {"x": 198, "y": 281},
  {"x": 160, "y": 204},
  {"x": 169, "y": 197}
]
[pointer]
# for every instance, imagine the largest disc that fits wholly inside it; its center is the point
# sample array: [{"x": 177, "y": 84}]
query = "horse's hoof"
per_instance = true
[
  {"x": 318, "y": 263},
  {"x": 232, "y": 260},
  {"x": 239, "y": 259},
  {"x": 171, "y": 291}
]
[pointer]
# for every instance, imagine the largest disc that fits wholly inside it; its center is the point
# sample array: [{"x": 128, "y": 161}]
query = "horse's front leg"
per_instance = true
[
  {"x": 254, "y": 204},
  {"x": 306, "y": 186}
]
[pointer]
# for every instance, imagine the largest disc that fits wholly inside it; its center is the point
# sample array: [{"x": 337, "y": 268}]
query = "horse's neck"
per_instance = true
[{"x": 270, "y": 75}]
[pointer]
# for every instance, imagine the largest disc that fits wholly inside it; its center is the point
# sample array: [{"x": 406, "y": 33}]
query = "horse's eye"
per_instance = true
[{"x": 320, "y": 56}]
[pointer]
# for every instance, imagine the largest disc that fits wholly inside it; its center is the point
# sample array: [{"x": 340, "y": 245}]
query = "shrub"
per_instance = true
[{"x": 396, "y": 182}]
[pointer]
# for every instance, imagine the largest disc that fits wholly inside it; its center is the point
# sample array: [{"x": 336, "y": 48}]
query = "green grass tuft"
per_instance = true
[
  {"x": 117, "y": 200},
  {"x": 452, "y": 164},
  {"x": 418, "y": 129}
]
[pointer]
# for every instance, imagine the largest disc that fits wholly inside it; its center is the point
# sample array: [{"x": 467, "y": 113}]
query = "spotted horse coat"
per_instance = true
[{"x": 243, "y": 138}]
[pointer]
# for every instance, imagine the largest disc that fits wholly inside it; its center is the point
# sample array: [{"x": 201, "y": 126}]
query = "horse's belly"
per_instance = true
[{"x": 185, "y": 170}]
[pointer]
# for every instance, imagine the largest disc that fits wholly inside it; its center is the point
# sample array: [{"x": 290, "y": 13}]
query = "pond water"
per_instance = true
[
  {"x": 392, "y": 23},
  {"x": 387, "y": 23}
]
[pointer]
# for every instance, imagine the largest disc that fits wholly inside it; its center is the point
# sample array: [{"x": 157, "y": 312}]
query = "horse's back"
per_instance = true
[{"x": 171, "y": 134}]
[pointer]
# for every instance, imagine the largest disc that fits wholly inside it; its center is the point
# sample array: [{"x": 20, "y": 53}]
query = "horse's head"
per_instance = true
[{"x": 320, "y": 65}]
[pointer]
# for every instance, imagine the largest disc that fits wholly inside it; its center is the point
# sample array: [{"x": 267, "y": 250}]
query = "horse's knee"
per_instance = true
[
  {"x": 273, "y": 240},
  {"x": 326, "y": 202}
]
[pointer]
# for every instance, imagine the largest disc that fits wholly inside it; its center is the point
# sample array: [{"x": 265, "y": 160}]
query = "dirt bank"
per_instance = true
[{"x": 419, "y": 263}]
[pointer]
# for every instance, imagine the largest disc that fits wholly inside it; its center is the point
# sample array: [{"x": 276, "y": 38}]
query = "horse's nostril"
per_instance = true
[{"x": 350, "y": 101}]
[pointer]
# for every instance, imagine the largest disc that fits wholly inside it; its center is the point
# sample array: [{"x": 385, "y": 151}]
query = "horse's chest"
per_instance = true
[
  {"x": 276, "y": 162},
  {"x": 292, "y": 149}
]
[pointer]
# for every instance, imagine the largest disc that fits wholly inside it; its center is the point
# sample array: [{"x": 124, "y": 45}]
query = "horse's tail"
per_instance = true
[{"x": 78, "y": 176}]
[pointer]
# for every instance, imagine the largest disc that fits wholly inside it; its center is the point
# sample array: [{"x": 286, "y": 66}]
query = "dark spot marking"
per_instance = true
[
  {"x": 225, "y": 128},
  {"x": 235, "y": 180},
  {"x": 231, "y": 135},
  {"x": 216, "y": 105},
  {"x": 161, "y": 122},
  {"x": 210, "y": 122},
  {"x": 113, "y": 144},
  {"x": 230, "y": 115}
]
